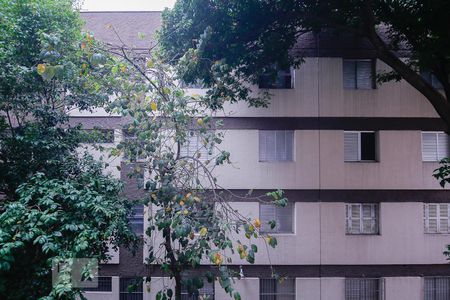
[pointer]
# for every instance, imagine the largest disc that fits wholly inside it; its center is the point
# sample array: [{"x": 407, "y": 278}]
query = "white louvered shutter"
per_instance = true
[
  {"x": 364, "y": 74},
  {"x": 267, "y": 213},
  {"x": 429, "y": 146},
  {"x": 276, "y": 145},
  {"x": 432, "y": 218},
  {"x": 443, "y": 218},
  {"x": 349, "y": 73},
  {"x": 351, "y": 146},
  {"x": 353, "y": 218},
  {"x": 442, "y": 145}
]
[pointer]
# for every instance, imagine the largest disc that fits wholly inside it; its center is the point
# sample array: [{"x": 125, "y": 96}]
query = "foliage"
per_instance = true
[
  {"x": 53, "y": 202},
  {"x": 247, "y": 39},
  {"x": 59, "y": 218},
  {"x": 191, "y": 221}
]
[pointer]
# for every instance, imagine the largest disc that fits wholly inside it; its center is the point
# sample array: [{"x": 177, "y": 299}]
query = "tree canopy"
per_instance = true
[
  {"x": 247, "y": 38},
  {"x": 55, "y": 202}
]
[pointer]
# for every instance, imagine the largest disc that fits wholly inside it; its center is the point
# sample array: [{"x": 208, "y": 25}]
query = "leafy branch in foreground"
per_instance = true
[{"x": 173, "y": 141}]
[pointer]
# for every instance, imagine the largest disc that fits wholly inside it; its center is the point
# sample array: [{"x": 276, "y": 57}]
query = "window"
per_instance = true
[
  {"x": 272, "y": 289},
  {"x": 276, "y": 145},
  {"x": 364, "y": 289},
  {"x": 435, "y": 146},
  {"x": 97, "y": 136},
  {"x": 134, "y": 148},
  {"x": 194, "y": 147},
  {"x": 205, "y": 293},
  {"x": 436, "y": 217},
  {"x": 104, "y": 285},
  {"x": 283, "y": 80},
  {"x": 283, "y": 217},
  {"x": 359, "y": 146},
  {"x": 431, "y": 79},
  {"x": 197, "y": 84},
  {"x": 362, "y": 218},
  {"x": 137, "y": 219},
  {"x": 131, "y": 288},
  {"x": 359, "y": 74},
  {"x": 437, "y": 288}
]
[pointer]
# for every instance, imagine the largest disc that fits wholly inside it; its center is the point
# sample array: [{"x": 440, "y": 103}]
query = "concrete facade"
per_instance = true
[{"x": 319, "y": 254}]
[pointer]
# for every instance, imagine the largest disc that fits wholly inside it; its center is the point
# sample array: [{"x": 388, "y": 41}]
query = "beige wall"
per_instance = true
[
  {"x": 392, "y": 99},
  {"x": 321, "y": 153},
  {"x": 320, "y": 238}
]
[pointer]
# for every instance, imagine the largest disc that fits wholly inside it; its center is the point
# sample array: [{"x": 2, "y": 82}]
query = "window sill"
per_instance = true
[
  {"x": 276, "y": 161},
  {"x": 279, "y": 234},
  {"x": 362, "y": 234}
]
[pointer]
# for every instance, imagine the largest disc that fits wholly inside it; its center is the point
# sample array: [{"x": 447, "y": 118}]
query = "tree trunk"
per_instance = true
[{"x": 177, "y": 286}]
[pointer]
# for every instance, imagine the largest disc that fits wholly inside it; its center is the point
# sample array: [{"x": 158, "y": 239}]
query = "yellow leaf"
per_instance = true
[
  {"x": 203, "y": 231},
  {"x": 200, "y": 121},
  {"x": 153, "y": 106},
  {"x": 185, "y": 211},
  {"x": 181, "y": 202},
  {"x": 41, "y": 69},
  {"x": 123, "y": 68},
  {"x": 218, "y": 259},
  {"x": 257, "y": 223}
]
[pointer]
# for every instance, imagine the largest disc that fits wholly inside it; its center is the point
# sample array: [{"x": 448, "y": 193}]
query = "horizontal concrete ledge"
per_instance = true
[
  {"x": 311, "y": 195},
  {"x": 265, "y": 271},
  {"x": 357, "y": 196},
  {"x": 293, "y": 123}
]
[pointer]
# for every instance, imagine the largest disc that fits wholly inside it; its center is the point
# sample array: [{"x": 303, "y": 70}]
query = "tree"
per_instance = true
[
  {"x": 54, "y": 202},
  {"x": 249, "y": 38},
  {"x": 173, "y": 142}
]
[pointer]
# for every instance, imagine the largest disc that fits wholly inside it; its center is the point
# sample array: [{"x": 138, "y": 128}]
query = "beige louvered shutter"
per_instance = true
[
  {"x": 364, "y": 78},
  {"x": 351, "y": 146},
  {"x": 442, "y": 145},
  {"x": 284, "y": 219},
  {"x": 429, "y": 146},
  {"x": 267, "y": 145},
  {"x": 267, "y": 213}
]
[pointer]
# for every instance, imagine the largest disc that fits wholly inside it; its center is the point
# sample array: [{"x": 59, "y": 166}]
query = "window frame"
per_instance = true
[
  {"x": 286, "y": 132},
  {"x": 359, "y": 158},
  {"x": 437, "y": 133},
  {"x": 373, "y": 73},
  {"x": 434, "y": 291},
  {"x": 275, "y": 294},
  {"x": 381, "y": 290},
  {"x": 275, "y": 231},
  {"x": 134, "y": 217},
  {"x": 274, "y": 85},
  {"x": 202, "y": 149},
  {"x": 185, "y": 295},
  {"x": 426, "y": 218},
  {"x": 375, "y": 217},
  {"x": 123, "y": 294},
  {"x": 96, "y": 289}
]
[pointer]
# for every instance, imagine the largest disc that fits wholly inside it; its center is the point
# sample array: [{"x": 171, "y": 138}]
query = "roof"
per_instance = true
[{"x": 128, "y": 24}]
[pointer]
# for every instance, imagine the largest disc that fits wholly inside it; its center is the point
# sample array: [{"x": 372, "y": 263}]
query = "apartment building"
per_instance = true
[{"x": 366, "y": 219}]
